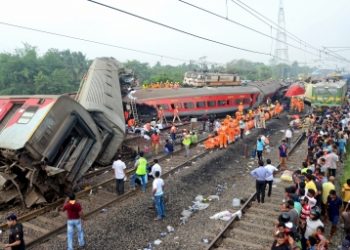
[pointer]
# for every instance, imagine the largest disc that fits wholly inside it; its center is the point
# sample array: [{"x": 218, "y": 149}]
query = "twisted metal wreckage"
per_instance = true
[{"x": 47, "y": 143}]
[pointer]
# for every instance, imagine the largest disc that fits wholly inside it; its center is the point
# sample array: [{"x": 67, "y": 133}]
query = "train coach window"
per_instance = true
[
  {"x": 163, "y": 106},
  {"x": 188, "y": 105},
  {"x": 27, "y": 115},
  {"x": 211, "y": 103},
  {"x": 246, "y": 101},
  {"x": 222, "y": 103},
  {"x": 200, "y": 104},
  {"x": 174, "y": 105}
]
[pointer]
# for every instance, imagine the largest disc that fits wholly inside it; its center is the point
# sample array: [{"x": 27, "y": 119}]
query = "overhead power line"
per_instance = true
[
  {"x": 245, "y": 26},
  {"x": 91, "y": 41},
  {"x": 179, "y": 30},
  {"x": 268, "y": 21}
]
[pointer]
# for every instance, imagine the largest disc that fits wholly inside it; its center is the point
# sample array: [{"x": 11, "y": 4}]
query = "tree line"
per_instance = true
[{"x": 57, "y": 72}]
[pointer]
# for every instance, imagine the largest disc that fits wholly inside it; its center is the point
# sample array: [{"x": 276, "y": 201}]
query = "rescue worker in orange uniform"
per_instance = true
[
  {"x": 231, "y": 132},
  {"x": 131, "y": 124},
  {"x": 176, "y": 114},
  {"x": 238, "y": 115},
  {"x": 262, "y": 118},
  {"x": 300, "y": 105},
  {"x": 210, "y": 142},
  {"x": 293, "y": 103},
  {"x": 277, "y": 108},
  {"x": 222, "y": 136},
  {"x": 240, "y": 107}
]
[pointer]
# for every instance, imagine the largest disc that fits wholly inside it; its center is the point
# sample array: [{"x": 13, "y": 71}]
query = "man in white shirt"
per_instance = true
[
  {"x": 332, "y": 160},
  {"x": 156, "y": 168},
  {"x": 269, "y": 179},
  {"x": 288, "y": 134},
  {"x": 158, "y": 194},
  {"x": 119, "y": 167}
]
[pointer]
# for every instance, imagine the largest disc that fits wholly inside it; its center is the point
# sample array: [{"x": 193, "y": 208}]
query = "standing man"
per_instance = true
[
  {"x": 260, "y": 148},
  {"x": 119, "y": 167},
  {"x": 332, "y": 160},
  {"x": 242, "y": 127},
  {"x": 327, "y": 187},
  {"x": 187, "y": 142},
  {"x": 155, "y": 138},
  {"x": 176, "y": 114},
  {"x": 156, "y": 168},
  {"x": 173, "y": 131},
  {"x": 288, "y": 134},
  {"x": 74, "y": 214},
  {"x": 16, "y": 241},
  {"x": 269, "y": 179},
  {"x": 260, "y": 174},
  {"x": 169, "y": 148},
  {"x": 158, "y": 193},
  {"x": 334, "y": 206},
  {"x": 282, "y": 151},
  {"x": 141, "y": 172}
]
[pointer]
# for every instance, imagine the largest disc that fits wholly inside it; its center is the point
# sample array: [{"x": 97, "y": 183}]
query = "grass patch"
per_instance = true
[{"x": 346, "y": 171}]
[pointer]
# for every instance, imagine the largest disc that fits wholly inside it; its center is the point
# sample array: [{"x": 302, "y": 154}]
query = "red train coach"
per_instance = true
[{"x": 201, "y": 101}]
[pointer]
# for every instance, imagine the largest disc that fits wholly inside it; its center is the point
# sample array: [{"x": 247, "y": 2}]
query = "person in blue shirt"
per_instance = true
[
  {"x": 260, "y": 148},
  {"x": 260, "y": 174},
  {"x": 341, "y": 147},
  {"x": 334, "y": 205}
]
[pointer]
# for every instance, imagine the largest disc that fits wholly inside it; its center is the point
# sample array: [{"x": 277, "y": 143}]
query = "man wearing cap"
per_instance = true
[{"x": 16, "y": 241}]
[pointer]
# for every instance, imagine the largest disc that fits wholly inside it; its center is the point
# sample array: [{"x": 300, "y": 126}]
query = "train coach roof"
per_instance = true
[
  {"x": 145, "y": 94},
  {"x": 337, "y": 84},
  {"x": 28, "y": 96},
  {"x": 254, "y": 87}
]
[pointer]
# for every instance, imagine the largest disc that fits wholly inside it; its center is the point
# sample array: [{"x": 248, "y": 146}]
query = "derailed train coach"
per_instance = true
[{"x": 47, "y": 143}]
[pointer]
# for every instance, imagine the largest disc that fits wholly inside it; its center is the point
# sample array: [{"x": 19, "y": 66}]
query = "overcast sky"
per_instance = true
[{"x": 319, "y": 22}]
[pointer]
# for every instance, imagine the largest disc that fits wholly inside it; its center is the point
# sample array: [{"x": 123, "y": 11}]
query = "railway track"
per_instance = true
[
  {"x": 44, "y": 223},
  {"x": 255, "y": 229}
]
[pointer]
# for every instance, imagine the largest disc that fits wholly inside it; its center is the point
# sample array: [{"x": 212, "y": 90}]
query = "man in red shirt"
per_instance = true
[{"x": 74, "y": 214}]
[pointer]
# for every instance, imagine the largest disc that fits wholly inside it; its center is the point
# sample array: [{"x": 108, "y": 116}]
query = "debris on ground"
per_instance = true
[
  {"x": 157, "y": 242},
  {"x": 226, "y": 215},
  {"x": 205, "y": 241},
  {"x": 236, "y": 202},
  {"x": 170, "y": 229}
]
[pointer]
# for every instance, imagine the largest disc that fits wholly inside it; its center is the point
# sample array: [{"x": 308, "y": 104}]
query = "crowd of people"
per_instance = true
[
  {"x": 313, "y": 207},
  {"x": 231, "y": 128},
  {"x": 157, "y": 85}
]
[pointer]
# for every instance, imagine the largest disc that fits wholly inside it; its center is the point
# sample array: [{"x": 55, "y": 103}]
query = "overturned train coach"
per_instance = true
[
  {"x": 47, "y": 143},
  {"x": 203, "y": 101}
]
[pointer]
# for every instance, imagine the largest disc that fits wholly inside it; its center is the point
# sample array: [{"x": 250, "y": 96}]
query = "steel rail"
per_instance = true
[
  {"x": 120, "y": 198},
  {"x": 230, "y": 224},
  {"x": 49, "y": 207}
]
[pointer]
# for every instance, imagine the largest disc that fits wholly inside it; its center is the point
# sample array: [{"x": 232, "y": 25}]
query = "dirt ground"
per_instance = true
[{"x": 131, "y": 226}]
